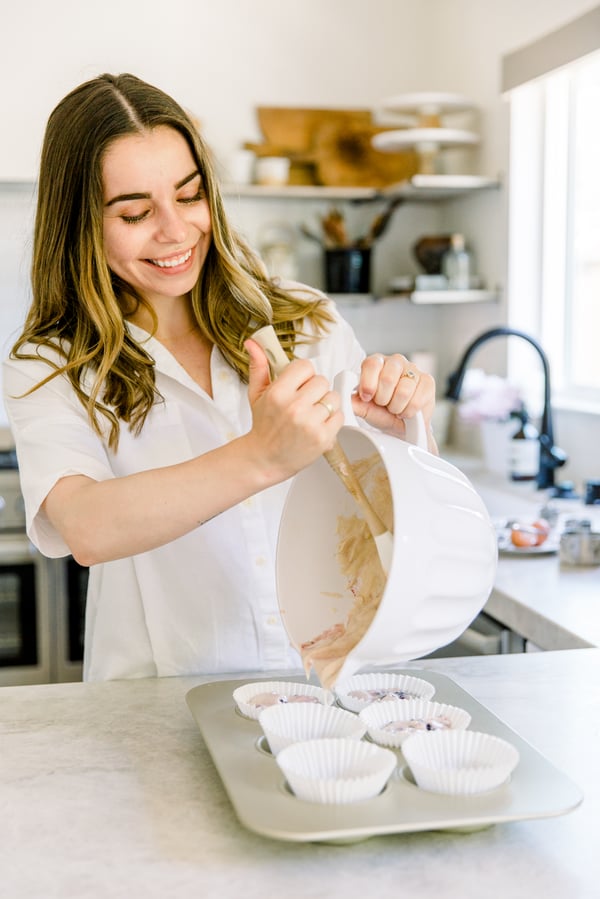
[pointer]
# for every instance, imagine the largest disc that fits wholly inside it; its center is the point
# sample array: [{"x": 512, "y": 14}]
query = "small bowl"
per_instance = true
[
  {"x": 360, "y": 690},
  {"x": 430, "y": 250},
  {"x": 252, "y": 698},
  {"x": 411, "y": 716},
  {"x": 459, "y": 761},
  {"x": 336, "y": 771},
  {"x": 288, "y": 723}
]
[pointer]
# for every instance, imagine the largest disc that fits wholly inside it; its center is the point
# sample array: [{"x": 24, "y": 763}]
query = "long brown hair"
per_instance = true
[{"x": 78, "y": 303}]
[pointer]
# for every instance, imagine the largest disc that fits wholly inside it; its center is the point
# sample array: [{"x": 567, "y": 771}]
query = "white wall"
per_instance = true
[{"x": 221, "y": 59}]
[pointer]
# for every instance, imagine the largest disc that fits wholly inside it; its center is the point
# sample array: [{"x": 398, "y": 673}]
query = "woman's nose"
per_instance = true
[{"x": 171, "y": 225}]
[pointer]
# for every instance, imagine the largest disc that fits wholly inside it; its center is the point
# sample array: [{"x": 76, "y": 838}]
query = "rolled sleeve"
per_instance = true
[{"x": 53, "y": 439}]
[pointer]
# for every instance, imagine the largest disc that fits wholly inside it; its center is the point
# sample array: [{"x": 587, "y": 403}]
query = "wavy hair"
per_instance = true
[{"x": 78, "y": 306}]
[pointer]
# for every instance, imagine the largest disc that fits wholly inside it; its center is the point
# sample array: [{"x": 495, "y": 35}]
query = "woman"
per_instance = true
[{"x": 152, "y": 444}]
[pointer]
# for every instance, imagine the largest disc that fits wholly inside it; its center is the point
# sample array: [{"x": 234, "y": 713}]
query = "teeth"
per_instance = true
[{"x": 171, "y": 263}]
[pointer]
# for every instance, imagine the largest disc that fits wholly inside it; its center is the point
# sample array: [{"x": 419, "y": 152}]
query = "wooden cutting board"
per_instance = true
[
  {"x": 293, "y": 128},
  {"x": 344, "y": 157}
]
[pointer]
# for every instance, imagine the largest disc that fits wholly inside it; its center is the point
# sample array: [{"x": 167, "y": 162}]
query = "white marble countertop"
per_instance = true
[
  {"x": 555, "y": 606},
  {"x": 107, "y": 790}
]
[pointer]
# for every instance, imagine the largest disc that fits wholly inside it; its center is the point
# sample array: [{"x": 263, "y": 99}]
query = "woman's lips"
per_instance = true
[{"x": 173, "y": 263}]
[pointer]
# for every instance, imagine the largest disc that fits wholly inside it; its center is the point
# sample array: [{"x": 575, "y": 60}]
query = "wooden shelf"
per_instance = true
[
  {"x": 300, "y": 192},
  {"x": 419, "y": 188},
  {"x": 12, "y": 184},
  {"x": 443, "y": 297},
  {"x": 441, "y": 187},
  {"x": 419, "y": 297}
]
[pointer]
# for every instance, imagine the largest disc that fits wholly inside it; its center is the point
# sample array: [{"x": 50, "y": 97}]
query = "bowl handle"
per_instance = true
[{"x": 345, "y": 383}]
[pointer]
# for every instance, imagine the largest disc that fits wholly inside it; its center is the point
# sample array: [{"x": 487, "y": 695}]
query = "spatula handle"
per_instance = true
[
  {"x": 268, "y": 340},
  {"x": 336, "y": 457}
]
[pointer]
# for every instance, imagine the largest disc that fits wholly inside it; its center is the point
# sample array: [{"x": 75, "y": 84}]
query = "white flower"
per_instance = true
[{"x": 486, "y": 396}]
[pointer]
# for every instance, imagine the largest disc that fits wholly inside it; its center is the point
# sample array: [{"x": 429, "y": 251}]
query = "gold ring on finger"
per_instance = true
[
  {"x": 409, "y": 373},
  {"x": 326, "y": 405}
]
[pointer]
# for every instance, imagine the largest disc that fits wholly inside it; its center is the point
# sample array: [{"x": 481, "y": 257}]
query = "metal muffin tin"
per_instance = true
[{"x": 264, "y": 803}]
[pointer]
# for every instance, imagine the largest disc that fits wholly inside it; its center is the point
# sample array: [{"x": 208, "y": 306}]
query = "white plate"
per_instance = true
[
  {"x": 546, "y": 549},
  {"x": 393, "y": 141},
  {"x": 424, "y": 102}
]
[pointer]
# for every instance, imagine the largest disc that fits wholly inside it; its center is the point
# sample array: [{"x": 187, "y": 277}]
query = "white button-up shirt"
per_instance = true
[{"x": 206, "y": 602}]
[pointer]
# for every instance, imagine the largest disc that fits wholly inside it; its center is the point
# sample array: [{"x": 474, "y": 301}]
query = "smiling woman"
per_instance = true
[
  {"x": 157, "y": 227},
  {"x": 152, "y": 445}
]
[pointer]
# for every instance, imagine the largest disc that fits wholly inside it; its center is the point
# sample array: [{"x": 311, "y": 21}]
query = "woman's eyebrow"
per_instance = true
[
  {"x": 187, "y": 179},
  {"x": 121, "y": 197},
  {"x": 144, "y": 196}
]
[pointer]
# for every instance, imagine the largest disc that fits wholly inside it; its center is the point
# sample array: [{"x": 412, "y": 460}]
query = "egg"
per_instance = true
[
  {"x": 528, "y": 535},
  {"x": 543, "y": 527},
  {"x": 524, "y": 536}
]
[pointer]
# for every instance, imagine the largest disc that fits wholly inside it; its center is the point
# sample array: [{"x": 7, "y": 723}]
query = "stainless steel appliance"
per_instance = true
[
  {"x": 484, "y": 636},
  {"x": 42, "y": 601}
]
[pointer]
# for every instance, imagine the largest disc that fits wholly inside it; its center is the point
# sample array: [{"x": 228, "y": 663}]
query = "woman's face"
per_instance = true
[{"x": 157, "y": 227}]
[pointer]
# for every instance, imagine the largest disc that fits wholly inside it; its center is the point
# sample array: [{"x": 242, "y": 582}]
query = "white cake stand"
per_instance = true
[
  {"x": 425, "y": 109},
  {"x": 426, "y": 141}
]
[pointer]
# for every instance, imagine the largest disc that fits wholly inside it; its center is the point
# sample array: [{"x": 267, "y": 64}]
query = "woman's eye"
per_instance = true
[
  {"x": 132, "y": 219},
  {"x": 199, "y": 195}
]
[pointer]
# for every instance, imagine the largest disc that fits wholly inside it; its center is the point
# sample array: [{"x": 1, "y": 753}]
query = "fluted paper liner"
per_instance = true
[
  {"x": 418, "y": 715},
  {"x": 296, "y": 722},
  {"x": 459, "y": 761},
  {"x": 336, "y": 771},
  {"x": 280, "y": 690},
  {"x": 407, "y": 686}
]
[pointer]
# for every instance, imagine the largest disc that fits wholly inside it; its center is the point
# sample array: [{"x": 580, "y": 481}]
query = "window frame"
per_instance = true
[{"x": 541, "y": 235}]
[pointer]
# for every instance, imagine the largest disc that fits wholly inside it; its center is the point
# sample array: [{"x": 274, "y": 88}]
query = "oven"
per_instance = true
[
  {"x": 42, "y": 601},
  {"x": 70, "y": 591},
  {"x": 25, "y": 611}
]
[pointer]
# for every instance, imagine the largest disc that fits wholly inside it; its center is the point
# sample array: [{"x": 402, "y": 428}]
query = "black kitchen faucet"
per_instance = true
[{"x": 551, "y": 456}]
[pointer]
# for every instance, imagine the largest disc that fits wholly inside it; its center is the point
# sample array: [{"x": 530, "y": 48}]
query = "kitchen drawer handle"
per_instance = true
[{"x": 481, "y": 644}]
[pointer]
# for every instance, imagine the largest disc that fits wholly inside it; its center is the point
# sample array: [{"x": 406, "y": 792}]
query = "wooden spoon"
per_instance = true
[
  {"x": 379, "y": 225},
  {"x": 336, "y": 457}
]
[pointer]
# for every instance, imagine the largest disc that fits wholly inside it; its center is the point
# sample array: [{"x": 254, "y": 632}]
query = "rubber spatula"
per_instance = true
[{"x": 336, "y": 457}]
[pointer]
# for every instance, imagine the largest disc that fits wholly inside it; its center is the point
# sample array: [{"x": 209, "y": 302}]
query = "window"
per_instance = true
[{"x": 554, "y": 227}]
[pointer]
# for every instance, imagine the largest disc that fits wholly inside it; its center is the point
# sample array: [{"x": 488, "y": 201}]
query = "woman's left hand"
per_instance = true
[{"x": 392, "y": 389}]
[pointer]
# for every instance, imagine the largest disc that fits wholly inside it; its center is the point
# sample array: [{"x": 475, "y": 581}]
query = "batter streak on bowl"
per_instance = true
[{"x": 359, "y": 561}]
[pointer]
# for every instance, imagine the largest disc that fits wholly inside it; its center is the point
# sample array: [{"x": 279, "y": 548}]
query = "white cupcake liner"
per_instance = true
[
  {"x": 459, "y": 761},
  {"x": 244, "y": 695},
  {"x": 288, "y": 723},
  {"x": 424, "y": 715},
  {"x": 336, "y": 771},
  {"x": 413, "y": 687}
]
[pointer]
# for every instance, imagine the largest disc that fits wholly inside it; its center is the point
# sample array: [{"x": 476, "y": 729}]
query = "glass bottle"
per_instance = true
[
  {"x": 456, "y": 264},
  {"x": 524, "y": 450}
]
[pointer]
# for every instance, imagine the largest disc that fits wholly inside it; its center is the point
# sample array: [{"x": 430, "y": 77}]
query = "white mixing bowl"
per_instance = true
[{"x": 444, "y": 553}]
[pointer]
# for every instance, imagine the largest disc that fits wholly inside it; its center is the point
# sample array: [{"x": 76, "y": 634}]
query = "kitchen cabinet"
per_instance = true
[
  {"x": 420, "y": 189},
  {"x": 554, "y": 606}
]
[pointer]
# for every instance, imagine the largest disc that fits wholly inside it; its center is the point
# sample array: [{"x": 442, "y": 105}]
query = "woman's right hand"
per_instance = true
[
  {"x": 292, "y": 418},
  {"x": 101, "y": 521}
]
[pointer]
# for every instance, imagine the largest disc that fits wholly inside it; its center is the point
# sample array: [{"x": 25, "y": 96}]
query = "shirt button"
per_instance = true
[
  {"x": 260, "y": 561},
  {"x": 272, "y": 620},
  {"x": 224, "y": 376}
]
